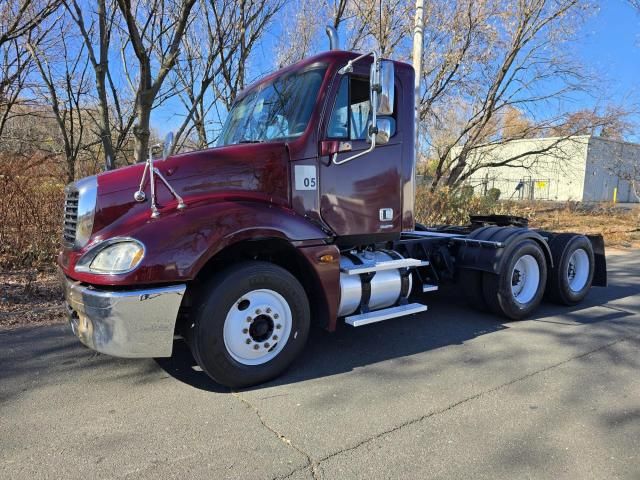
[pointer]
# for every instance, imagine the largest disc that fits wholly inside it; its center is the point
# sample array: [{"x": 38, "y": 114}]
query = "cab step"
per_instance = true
[
  {"x": 387, "y": 265},
  {"x": 429, "y": 288},
  {"x": 384, "y": 314}
]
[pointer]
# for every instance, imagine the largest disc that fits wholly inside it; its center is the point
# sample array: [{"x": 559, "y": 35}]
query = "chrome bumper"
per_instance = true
[{"x": 135, "y": 323}]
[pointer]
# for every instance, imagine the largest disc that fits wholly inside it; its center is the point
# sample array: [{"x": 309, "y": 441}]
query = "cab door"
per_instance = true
[{"x": 362, "y": 197}]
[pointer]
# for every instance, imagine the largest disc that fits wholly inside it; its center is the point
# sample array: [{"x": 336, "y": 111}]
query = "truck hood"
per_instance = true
[
  {"x": 234, "y": 166},
  {"x": 249, "y": 171}
]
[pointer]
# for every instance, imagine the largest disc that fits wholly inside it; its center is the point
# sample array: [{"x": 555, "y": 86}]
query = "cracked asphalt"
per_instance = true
[{"x": 446, "y": 394}]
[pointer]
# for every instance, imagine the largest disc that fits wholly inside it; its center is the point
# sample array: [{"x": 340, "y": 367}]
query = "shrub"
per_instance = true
[
  {"x": 493, "y": 194},
  {"x": 454, "y": 207},
  {"x": 30, "y": 213}
]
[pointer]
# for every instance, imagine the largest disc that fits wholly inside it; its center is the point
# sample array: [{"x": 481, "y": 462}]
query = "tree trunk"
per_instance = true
[
  {"x": 101, "y": 73},
  {"x": 141, "y": 130}
]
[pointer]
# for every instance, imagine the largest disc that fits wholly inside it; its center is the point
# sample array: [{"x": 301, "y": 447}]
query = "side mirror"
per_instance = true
[
  {"x": 383, "y": 81},
  {"x": 385, "y": 130},
  {"x": 168, "y": 143}
]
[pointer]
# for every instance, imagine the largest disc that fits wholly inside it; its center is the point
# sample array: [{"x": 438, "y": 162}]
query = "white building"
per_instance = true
[{"x": 580, "y": 168}]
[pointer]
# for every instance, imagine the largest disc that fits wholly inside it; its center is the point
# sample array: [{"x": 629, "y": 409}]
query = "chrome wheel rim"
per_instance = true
[
  {"x": 257, "y": 327},
  {"x": 525, "y": 279},
  {"x": 578, "y": 270}
]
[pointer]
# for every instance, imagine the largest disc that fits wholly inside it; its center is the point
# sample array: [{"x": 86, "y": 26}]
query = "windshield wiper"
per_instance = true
[{"x": 246, "y": 140}]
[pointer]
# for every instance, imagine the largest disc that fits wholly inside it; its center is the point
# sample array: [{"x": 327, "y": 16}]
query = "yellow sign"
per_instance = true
[{"x": 541, "y": 184}]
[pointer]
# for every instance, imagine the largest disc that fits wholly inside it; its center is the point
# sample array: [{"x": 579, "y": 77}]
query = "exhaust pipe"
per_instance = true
[{"x": 334, "y": 40}]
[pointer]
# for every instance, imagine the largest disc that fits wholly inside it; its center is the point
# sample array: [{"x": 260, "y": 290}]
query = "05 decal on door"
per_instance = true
[{"x": 306, "y": 177}]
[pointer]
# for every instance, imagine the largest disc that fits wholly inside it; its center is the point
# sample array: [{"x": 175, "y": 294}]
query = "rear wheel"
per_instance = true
[
  {"x": 572, "y": 275},
  {"x": 518, "y": 289},
  {"x": 251, "y": 323}
]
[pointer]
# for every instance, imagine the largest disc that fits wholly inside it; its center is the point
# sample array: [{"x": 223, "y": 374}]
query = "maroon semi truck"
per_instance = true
[{"x": 302, "y": 214}]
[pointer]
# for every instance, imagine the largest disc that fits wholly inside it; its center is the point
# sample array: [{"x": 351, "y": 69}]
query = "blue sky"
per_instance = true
[{"x": 608, "y": 45}]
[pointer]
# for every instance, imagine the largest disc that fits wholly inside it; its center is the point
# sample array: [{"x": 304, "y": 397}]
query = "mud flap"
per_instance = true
[{"x": 600, "y": 267}]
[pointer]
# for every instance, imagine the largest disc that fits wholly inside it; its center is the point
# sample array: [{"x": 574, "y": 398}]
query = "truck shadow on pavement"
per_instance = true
[
  {"x": 34, "y": 357},
  {"x": 448, "y": 322}
]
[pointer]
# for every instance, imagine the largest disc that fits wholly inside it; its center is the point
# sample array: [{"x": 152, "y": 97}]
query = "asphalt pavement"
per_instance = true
[{"x": 448, "y": 394}]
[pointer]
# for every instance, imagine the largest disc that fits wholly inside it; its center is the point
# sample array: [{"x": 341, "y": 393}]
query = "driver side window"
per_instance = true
[{"x": 352, "y": 110}]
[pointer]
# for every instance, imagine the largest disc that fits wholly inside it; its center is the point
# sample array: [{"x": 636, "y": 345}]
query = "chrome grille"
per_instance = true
[{"x": 71, "y": 201}]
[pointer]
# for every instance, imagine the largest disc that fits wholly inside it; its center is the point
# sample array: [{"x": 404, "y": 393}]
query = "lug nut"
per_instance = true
[
  {"x": 258, "y": 311},
  {"x": 256, "y": 346},
  {"x": 274, "y": 338},
  {"x": 266, "y": 345},
  {"x": 275, "y": 315},
  {"x": 278, "y": 326},
  {"x": 245, "y": 330},
  {"x": 248, "y": 341},
  {"x": 268, "y": 310},
  {"x": 249, "y": 319}
]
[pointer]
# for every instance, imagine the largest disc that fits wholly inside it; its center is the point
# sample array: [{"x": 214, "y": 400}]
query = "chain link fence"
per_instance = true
[{"x": 525, "y": 188}]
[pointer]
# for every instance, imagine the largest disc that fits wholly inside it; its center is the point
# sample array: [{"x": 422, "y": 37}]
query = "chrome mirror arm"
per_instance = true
[
  {"x": 348, "y": 68},
  {"x": 181, "y": 204},
  {"x": 155, "y": 213},
  {"x": 335, "y": 161},
  {"x": 372, "y": 131},
  {"x": 139, "y": 195}
]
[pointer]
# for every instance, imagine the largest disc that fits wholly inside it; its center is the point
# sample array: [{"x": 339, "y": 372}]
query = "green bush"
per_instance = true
[{"x": 493, "y": 194}]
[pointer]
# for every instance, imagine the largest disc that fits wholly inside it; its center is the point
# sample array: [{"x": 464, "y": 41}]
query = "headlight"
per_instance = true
[{"x": 113, "y": 256}]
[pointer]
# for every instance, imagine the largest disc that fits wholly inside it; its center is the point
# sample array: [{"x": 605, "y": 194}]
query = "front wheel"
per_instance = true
[
  {"x": 251, "y": 323},
  {"x": 518, "y": 289}
]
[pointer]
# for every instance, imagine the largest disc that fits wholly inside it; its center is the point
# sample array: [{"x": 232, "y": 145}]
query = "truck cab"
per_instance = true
[{"x": 302, "y": 214}]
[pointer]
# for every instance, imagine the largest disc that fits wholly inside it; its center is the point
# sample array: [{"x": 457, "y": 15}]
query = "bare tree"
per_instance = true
[
  {"x": 216, "y": 50},
  {"x": 507, "y": 55},
  {"x": 299, "y": 36},
  {"x": 63, "y": 71},
  {"x": 612, "y": 123},
  {"x": 363, "y": 25},
  {"x": 19, "y": 17},
  {"x": 114, "y": 117},
  {"x": 250, "y": 20},
  {"x": 15, "y": 65},
  {"x": 153, "y": 27}
]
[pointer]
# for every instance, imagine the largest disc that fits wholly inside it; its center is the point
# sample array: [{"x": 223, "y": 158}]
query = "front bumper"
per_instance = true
[{"x": 134, "y": 323}]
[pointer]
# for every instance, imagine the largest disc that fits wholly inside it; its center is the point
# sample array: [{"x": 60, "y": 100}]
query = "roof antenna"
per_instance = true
[{"x": 334, "y": 40}]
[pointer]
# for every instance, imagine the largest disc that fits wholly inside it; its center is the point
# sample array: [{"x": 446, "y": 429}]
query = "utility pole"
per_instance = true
[{"x": 418, "y": 31}]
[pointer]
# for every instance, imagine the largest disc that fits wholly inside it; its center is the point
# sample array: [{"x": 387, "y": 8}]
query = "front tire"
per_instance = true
[
  {"x": 252, "y": 321},
  {"x": 518, "y": 289}
]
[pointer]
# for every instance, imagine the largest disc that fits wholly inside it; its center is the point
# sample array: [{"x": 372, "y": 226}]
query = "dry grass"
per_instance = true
[
  {"x": 620, "y": 225},
  {"x": 30, "y": 297}
]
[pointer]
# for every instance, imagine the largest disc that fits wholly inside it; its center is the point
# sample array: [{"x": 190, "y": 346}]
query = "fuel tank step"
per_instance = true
[
  {"x": 429, "y": 288},
  {"x": 384, "y": 314},
  {"x": 386, "y": 265}
]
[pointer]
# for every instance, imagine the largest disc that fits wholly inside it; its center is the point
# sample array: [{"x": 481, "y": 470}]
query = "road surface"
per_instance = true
[{"x": 446, "y": 394}]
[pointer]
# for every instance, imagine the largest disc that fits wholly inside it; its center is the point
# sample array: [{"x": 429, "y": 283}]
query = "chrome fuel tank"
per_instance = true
[{"x": 386, "y": 285}]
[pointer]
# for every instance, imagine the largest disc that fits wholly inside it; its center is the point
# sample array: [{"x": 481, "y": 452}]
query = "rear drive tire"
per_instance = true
[
  {"x": 518, "y": 289},
  {"x": 252, "y": 320},
  {"x": 571, "y": 277}
]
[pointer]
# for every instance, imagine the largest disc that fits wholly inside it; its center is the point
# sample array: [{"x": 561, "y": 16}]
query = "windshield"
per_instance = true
[{"x": 275, "y": 111}]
